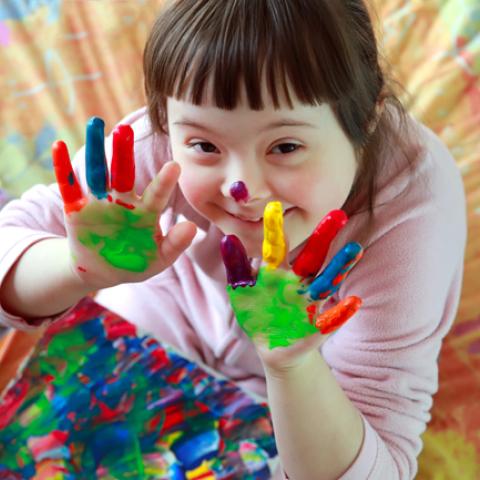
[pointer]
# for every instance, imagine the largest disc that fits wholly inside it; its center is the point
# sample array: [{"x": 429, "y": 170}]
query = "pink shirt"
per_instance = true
[{"x": 385, "y": 358}]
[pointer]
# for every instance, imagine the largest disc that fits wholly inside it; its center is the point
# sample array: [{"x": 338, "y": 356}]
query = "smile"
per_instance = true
[{"x": 257, "y": 221}]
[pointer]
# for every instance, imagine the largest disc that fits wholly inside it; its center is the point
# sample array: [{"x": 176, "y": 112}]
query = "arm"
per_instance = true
[
  {"x": 313, "y": 421},
  {"x": 384, "y": 360},
  {"x": 27, "y": 223},
  {"x": 36, "y": 279},
  {"x": 27, "y": 292}
]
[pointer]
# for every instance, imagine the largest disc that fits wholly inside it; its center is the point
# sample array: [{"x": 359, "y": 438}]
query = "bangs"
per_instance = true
[{"x": 246, "y": 47}]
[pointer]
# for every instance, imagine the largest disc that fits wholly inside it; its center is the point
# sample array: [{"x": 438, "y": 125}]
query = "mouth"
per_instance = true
[{"x": 259, "y": 220}]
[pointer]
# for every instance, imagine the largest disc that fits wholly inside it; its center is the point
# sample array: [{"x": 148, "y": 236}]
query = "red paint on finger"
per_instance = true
[
  {"x": 126, "y": 205},
  {"x": 311, "y": 258},
  {"x": 336, "y": 316},
  {"x": 123, "y": 163},
  {"x": 70, "y": 190},
  {"x": 312, "y": 312}
]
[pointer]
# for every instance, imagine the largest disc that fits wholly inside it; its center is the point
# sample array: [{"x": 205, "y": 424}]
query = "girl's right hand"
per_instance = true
[{"x": 114, "y": 235}]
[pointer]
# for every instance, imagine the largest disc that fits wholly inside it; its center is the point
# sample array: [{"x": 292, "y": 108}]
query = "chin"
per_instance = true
[{"x": 253, "y": 248}]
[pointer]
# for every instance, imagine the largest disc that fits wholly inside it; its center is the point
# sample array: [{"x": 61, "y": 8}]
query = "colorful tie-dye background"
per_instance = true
[{"x": 63, "y": 61}]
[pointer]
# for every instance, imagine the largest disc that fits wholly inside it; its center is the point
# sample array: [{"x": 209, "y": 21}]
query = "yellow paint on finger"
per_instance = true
[{"x": 274, "y": 247}]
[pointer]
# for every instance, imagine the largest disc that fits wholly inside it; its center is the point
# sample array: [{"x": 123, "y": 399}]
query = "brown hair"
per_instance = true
[{"x": 325, "y": 50}]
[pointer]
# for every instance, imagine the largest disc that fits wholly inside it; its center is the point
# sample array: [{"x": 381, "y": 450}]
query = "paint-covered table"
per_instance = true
[{"x": 98, "y": 399}]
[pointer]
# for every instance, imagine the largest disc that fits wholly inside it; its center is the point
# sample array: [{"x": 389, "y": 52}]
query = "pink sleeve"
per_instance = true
[
  {"x": 385, "y": 358},
  {"x": 38, "y": 214}
]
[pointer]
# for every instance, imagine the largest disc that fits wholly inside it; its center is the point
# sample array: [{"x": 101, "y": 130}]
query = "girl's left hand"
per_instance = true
[{"x": 281, "y": 310}]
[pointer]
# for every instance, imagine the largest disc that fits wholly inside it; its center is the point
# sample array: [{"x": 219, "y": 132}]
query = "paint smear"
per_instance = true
[
  {"x": 273, "y": 309},
  {"x": 125, "y": 238}
]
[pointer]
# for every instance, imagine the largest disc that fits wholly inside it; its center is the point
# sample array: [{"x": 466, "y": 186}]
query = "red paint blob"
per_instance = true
[
  {"x": 239, "y": 191},
  {"x": 129, "y": 206}
]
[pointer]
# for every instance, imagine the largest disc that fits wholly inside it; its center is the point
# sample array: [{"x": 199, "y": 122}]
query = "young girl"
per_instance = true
[{"x": 288, "y": 101}]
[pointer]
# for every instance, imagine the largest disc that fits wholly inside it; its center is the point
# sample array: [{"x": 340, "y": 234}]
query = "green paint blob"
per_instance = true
[
  {"x": 124, "y": 238},
  {"x": 273, "y": 308}
]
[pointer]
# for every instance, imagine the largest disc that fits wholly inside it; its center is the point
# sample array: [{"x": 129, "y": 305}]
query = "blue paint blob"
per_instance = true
[
  {"x": 193, "y": 450},
  {"x": 175, "y": 472},
  {"x": 111, "y": 439}
]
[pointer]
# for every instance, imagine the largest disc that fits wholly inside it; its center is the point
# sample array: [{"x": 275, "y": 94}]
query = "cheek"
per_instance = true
[{"x": 196, "y": 186}]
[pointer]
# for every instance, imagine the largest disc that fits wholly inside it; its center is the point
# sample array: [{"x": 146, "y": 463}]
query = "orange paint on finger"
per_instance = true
[{"x": 336, "y": 316}]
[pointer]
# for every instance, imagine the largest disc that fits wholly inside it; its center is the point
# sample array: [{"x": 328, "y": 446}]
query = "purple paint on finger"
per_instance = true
[
  {"x": 237, "y": 265},
  {"x": 239, "y": 191}
]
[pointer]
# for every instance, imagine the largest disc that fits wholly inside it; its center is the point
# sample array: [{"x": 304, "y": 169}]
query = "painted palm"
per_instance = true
[{"x": 280, "y": 306}]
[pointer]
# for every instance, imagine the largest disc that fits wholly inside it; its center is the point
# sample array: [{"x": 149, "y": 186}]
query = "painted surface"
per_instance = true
[{"x": 100, "y": 400}]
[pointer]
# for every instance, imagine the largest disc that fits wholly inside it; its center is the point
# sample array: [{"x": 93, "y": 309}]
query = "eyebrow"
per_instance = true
[{"x": 277, "y": 124}]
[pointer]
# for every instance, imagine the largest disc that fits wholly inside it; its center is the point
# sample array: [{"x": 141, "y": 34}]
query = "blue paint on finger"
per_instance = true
[
  {"x": 96, "y": 165},
  {"x": 329, "y": 281}
]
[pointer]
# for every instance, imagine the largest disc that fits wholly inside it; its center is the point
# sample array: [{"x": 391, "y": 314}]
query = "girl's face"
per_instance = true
[{"x": 299, "y": 156}]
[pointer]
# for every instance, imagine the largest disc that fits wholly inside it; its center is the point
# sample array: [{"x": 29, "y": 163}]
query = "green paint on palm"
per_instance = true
[
  {"x": 124, "y": 238},
  {"x": 273, "y": 308}
]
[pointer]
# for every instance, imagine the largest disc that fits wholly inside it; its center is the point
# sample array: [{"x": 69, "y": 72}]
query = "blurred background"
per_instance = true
[{"x": 62, "y": 61}]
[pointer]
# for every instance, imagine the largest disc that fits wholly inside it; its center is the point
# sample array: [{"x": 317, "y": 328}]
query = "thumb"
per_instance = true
[{"x": 176, "y": 241}]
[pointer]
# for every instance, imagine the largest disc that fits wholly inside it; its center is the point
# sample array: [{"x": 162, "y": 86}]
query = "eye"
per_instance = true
[
  {"x": 286, "y": 148},
  {"x": 204, "y": 147}
]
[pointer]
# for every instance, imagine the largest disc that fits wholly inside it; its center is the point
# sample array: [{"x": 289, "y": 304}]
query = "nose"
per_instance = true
[{"x": 250, "y": 172}]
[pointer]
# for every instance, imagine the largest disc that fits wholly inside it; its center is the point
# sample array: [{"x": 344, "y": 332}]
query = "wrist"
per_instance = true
[
  {"x": 73, "y": 278},
  {"x": 288, "y": 370}
]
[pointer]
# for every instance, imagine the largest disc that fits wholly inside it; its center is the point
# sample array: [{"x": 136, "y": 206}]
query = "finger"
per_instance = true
[
  {"x": 70, "y": 189},
  {"x": 312, "y": 256},
  {"x": 313, "y": 309},
  {"x": 178, "y": 239},
  {"x": 96, "y": 165},
  {"x": 123, "y": 163},
  {"x": 156, "y": 195},
  {"x": 336, "y": 316},
  {"x": 328, "y": 282},
  {"x": 274, "y": 247},
  {"x": 237, "y": 264}
]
